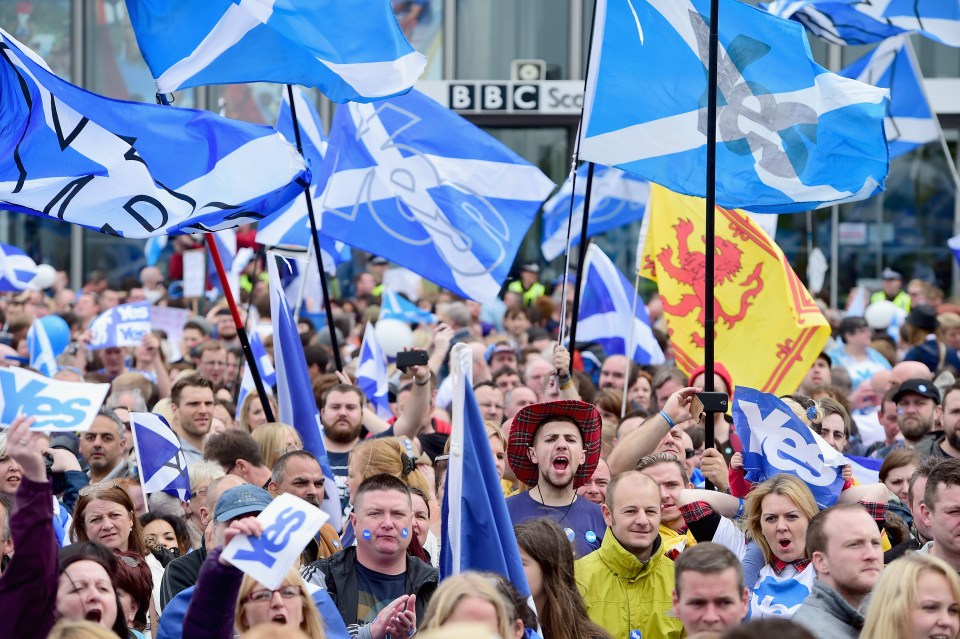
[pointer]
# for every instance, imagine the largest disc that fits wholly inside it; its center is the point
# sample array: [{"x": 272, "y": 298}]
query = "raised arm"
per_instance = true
[{"x": 644, "y": 440}]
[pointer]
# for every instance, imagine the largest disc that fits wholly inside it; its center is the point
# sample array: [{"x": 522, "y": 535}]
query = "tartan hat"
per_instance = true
[{"x": 530, "y": 418}]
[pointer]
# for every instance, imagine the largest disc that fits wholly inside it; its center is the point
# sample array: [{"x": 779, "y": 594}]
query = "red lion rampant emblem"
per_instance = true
[{"x": 690, "y": 270}]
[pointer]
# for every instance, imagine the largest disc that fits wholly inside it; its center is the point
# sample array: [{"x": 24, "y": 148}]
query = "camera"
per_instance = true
[{"x": 59, "y": 479}]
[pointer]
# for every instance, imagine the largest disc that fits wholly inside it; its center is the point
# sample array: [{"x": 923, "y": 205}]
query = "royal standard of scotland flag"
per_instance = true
[
  {"x": 477, "y": 533},
  {"x": 294, "y": 391},
  {"x": 16, "y": 269},
  {"x": 786, "y": 141},
  {"x": 411, "y": 181},
  {"x": 776, "y": 441},
  {"x": 163, "y": 467},
  {"x": 349, "y": 50},
  {"x": 892, "y": 65},
  {"x": 860, "y": 22},
  {"x": 372, "y": 372},
  {"x": 606, "y": 305},
  {"x": 132, "y": 169},
  {"x": 617, "y": 198},
  {"x": 395, "y": 306}
]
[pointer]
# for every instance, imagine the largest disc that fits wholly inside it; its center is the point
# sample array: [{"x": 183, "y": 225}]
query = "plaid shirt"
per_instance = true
[
  {"x": 779, "y": 565},
  {"x": 695, "y": 511}
]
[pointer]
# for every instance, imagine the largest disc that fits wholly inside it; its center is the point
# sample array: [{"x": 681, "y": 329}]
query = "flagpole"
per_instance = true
[
  {"x": 711, "y": 231},
  {"x": 316, "y": 240},
  {"x": 575, "y": 312},
  {"x": 630, "y": 346},
  {"x": 241, "y": 330}
]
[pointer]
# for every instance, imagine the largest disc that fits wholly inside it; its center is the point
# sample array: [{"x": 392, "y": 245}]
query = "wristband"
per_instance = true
[
  {"x": 739, "y": 510},
  {"x": 667, "y": 419},
  {"x": 423, "y": 383}
]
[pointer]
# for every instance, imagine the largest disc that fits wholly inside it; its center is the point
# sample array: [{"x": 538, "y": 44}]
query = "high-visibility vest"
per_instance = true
[
  {"x": 902, "y": 300},
  {"x": 531, "y": 294}
]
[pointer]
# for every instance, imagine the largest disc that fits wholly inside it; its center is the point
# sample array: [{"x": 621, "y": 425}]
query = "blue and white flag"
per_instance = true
[
  {"x": 16, "y": 269},
  {"x": 892, "y": 65},
  {"x": 290, "y": 226},
  {"x": 412, "y": 181},
  {"x": 153, "y": 248},
  {"x": 264, "y": 366},
  {"x": 786, "y": 141},
  {"x": 294, "y": 390},
  {"x": 43, "y": 358},
  {"x": 617, "y": 198},
  {"x": 123, "y": 325},
  {"x": 860, "y": 22},
  {"x": 607, "y": 301},
  {"x": 954, "y": 244},
  {"x": 163, "y": 466},
  {"x": 865, "y": 469},
  {"x": 234, "y": 260},
  {"x": 349, "y": 50},
  {"x": 477, "y": 533},
  {"x": 372, "y": 372},
  {"x": 395, "y": 306},
  {"x": 776, "y": 441},
  {"x": 132, "y": 169}
]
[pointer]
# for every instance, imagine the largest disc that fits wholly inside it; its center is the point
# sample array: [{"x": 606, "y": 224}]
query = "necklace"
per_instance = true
[{"x": 565, "y": 512}]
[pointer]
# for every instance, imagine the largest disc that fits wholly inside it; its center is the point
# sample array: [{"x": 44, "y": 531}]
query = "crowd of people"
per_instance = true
[{"x": 627, "y": 525}]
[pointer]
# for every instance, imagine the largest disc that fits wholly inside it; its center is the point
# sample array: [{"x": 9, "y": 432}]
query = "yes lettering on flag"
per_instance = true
[
  {"x": 132, "y": 169},
  {"x": 786, "y": 142},
  {"x": 349, "y": 50},
  {"x": 294, "y": 390},
  {"x": 163, "y": 466},
  {"x": 761, "y": 306},
  {"x": 372, "y": 372},
  {"x": 607, "y": 301},
  {"x": 123, "y": 325},
  {"x": 409, "y": 180}
]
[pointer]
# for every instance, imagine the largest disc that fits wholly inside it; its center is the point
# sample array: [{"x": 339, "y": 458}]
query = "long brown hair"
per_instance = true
[
  {"x": 564, "y": 615},
  {"x": 108, "y": 491}
]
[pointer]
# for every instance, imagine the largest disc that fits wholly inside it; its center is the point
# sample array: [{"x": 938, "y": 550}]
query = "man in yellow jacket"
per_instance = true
[{"x": 628, "y": 583}]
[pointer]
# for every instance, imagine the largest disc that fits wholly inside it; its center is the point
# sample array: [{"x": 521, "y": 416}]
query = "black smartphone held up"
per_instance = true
[{"x": 406, "y": 359}]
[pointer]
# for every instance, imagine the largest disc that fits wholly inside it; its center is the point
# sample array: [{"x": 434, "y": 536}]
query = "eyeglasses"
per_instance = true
[
  {"x": 263, "y": 596},
  {"x": 86, "y": 491}
]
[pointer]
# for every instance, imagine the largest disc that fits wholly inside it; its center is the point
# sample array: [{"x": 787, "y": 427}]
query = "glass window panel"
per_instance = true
[
  {"x": 42, "y": 26},
  {"x": 422, "y": 24}
]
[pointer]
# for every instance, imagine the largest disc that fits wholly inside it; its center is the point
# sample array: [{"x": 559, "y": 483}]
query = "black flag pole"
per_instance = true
[
  {"x": 575, "y": 311},
  {"x": 316, "y": 240}
]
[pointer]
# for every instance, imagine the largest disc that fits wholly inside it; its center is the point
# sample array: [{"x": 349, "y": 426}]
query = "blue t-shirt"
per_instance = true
[{"x": 582, "y": 520}]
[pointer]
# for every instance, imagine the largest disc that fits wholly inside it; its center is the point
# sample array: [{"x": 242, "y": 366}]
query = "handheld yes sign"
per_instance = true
[
  {"x": 56, "y": 405},
  {"x": 288, "y": 525},
  {"x": 123, "y": 325}
]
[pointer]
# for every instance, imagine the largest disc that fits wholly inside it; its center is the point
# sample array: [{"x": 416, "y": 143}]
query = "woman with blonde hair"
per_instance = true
[
  {"x": 252, "y": 415},
  {"x": 276, "y": 439},
  {"x": 469, "y": 596},
  {"x": 917, "y": 596},
  {"x": 387, "y": 455}
]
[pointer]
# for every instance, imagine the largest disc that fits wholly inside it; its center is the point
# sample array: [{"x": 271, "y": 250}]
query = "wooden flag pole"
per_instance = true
[{"x": 316, "y": 241}]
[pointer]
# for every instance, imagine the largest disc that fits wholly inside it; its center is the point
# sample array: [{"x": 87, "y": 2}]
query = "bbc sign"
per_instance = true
[{"x": 560, "y": 97}]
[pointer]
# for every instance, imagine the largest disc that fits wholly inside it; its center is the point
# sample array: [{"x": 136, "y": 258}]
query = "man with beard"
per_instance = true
[
  {"x": 299, "y": 474},
  {"x": 945, "y": 444},
  {"x": 554, "y": 448},
  {"x": 918, "y": 409},
  {"x": 102, "y": 447},
  {"x": 191, "y": 401}
]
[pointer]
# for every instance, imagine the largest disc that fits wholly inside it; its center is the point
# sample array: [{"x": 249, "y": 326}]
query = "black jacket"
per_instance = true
[{"x": 180, "y": 574}]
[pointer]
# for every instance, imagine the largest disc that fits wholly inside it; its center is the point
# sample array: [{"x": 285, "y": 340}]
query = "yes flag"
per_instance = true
[
  {"x": 372, "y": 372},
  {"x": 786, "y": 141},
  {"x": 163, "y": 466},
  {"x": 131, "y": 169},
  {"x": 395, "y": 306},
  {"x": 16, "y": 269},
  {"x": 760, "y": 306},
  {"x": 910, "y": 121},
  {"x": 617, "y": 198},
  {"x": 606, "y": 306},
  {"x": 122, "y": 325},
  {"x": 776, "y": 441},
  {"x": 477, "y": 533},
  {"x": 860, "y": 22},
  {"x": 412, "y": 181},
  {"x": 294, "y": 391},
  {"x": 349, "y": 50}
]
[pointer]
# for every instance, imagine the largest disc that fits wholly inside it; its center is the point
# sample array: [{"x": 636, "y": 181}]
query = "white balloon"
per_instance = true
[
  {"x": 44, "y": 278},
  {"x": 393, "y": 335}
]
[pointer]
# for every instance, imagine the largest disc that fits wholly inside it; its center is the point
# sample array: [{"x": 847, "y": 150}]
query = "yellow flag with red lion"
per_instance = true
[{"x": 768, "y": 330}]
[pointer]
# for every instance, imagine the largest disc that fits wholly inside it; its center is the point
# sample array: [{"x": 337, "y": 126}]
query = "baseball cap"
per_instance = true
[
  {"x": 378, "y": 261},
  {"x": 246, "y": 499},
  {"x": 532, "y": 267},
  {"x": 922, "y": 387},
  {"x": 890, "y": 274}
]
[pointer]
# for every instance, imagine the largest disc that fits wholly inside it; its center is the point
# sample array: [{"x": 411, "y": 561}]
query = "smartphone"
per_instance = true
[{"x": 406, "y": 359}]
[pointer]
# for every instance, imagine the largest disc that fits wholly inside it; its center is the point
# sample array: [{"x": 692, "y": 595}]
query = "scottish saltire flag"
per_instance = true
[
  {"x": 954, "y": 244},
  {"x": 42, "y": 356},
  {"x": 477, "y": 533},
  {"x": 16, "y": 268},
  {"x": 163, "y": 467},
  {"x": 294, "y": 390},
  {"x": 863, "y": 22},
  {"x": 264, "y": 367},
  {"x": 395, "y": 306},
  {"x": 349, "y": 50},
  {"x": 132, "y": 169},
  {"x": 123, "y": 325},
  {"x": 617, "y": 198},
  {"x": 910, "y": 121},
  {"x": 372, "y": 372},
  {"x": 865, "y": 469},
  {"x": 776, "y": 441},
  {"x": 411, "y": 181},
  {"x": 607, "y": 300},
  {"x": 153, "y": 248},
  {"x": 787, "y": 141}
]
